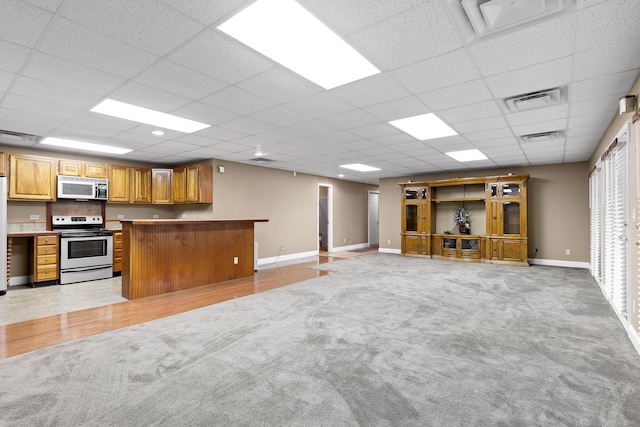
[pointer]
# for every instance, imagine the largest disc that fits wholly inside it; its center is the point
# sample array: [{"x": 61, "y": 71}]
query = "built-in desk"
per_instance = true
[
  {"x": 167, "y": 255},
  {"x": 43, "y": 255}
]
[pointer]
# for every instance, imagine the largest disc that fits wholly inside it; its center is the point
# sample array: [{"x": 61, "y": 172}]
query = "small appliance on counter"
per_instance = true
[{"x": 86, "y": 249}]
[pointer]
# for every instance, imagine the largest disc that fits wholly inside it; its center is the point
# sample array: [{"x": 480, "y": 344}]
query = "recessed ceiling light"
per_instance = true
[
  {"x": 341, "y": 175},
  {"x": 258, "y": 153},
  {"x": 360, "y": 167},
  {"x": 287, "y": 33},
  {"x": 134, "y": 113},
  {"x": 467, "y": 155},
  {"x": 157, "y": 132},
  {"x": 88, "y": 146},
  {"x": 424, "y": 126}
]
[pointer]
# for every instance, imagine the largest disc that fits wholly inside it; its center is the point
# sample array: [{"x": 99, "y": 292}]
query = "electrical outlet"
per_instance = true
[
  {"x": 282, "y": 248},
  {"x": 156, "y": 216},
  {"x": 34, "y": 216},
  {"x": 345, "y": 240},
  {"x": 567, "y": 251},
  {"x": 388, "y": 242},
  {"x": 235, "y": 259},
  {"x": 120, "y": 216}
]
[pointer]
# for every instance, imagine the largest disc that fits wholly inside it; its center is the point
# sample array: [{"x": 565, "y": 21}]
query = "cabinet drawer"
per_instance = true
[
  {"x": 47, "y": 250},
  {"x": 47, "y": 259},
  {"x": 46, "y": 272},
  {"x": 46, "y": 240},
  {"x": 117, "y": 244}
]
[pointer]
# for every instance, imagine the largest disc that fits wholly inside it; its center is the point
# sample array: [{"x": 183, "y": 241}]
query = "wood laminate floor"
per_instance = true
[{"x": 25, "y": 336}]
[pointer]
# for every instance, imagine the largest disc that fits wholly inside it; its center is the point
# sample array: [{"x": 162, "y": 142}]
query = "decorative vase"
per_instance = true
[{"x": 463, "y": 229}]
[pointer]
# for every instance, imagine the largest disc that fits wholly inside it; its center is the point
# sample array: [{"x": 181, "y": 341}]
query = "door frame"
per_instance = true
[{"x": 329, "y": 188}]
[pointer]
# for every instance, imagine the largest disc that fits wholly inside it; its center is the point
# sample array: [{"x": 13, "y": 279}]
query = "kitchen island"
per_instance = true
[{"x": 167, "y": 255}]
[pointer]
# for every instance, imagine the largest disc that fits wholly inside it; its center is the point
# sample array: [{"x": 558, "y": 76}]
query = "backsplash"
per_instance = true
[{"x": 20, "y": 226}]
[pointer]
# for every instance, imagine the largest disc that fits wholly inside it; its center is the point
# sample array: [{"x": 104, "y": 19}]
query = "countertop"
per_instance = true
[
  {"x": 32, "y": 233},
  {"x": 186, "y": 221}
]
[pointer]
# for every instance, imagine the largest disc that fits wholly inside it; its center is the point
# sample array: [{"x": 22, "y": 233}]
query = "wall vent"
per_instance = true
[
  {"x": 261, "y": 160},
  {"x": 533, "y": 100},
  {"x": 479, "y": 18},
  {"x": 17, "y": 138},
  {"x": 542, "y": 136}
]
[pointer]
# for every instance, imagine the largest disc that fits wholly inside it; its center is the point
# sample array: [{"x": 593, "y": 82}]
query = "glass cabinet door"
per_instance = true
[
  {"x": 410, "y": 194},
  {"x": 411, "y": 213},
  {"x": 511, "y": 217},
  {"x": 510, "y": 190}
]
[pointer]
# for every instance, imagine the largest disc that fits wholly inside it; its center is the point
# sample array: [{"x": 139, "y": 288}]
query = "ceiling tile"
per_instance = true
[
  {"x": 435, "y": 73},
  {"x": 320, "y": 105},
  {"x": 530, "y": 79},
  {"x": 596, "y": 23},
  {"x": 247, "y": 125},
  {"x": 604, "y": 105},
  {"x": 490, "y": 134},
  {"x": 204, "y": 113},
  {"x": 13, "y": 56},
  {"x": 540, "y": 127},
  {"x": 398, "y": 109},
  {"x": 279, "y": 85},
  {"x": 28, "y": 117},
  {"x": 237, "y": 101},
  {"x": 47, "y": 91},
  {"x": 522, "y": 48},
  {"x": 217, "y": 56},
  {"x": 176, "y": 79},
  {"x": 605, "y": 85},
  {"x": 146, "y": 24},
  {"x": 351, "y": 119},
  {"x": 205, "y": 11},
  {"x": 37, "y": 106},
  {"x": 99, "y": 121},
  {"x": 75, "y": 43},
  {"x": 469, "y": 113},
  {"x": 281, "y": 116},
  {"x": 538, "y": 115},
  {"x": 386, "y": 41},
  {"x": 5, "y": 80},
  {"x": 22, "y": 23},
  {"x": 484, "y": 124},
  {"x": 64, "y": 73},
  {"x": 377, "y": 130},
  {"x": 220, "y": 133},
  {"x": 615, "y": 58},
  {"x": 455, "y": 96},
  {"x": 198, "y": 140},
  {"x": 148, "y": 97},
  {"x": 371, "y": 91}
]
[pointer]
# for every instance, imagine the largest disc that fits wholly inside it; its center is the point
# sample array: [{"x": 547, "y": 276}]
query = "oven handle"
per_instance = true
[{"x": 77, "y": 269}]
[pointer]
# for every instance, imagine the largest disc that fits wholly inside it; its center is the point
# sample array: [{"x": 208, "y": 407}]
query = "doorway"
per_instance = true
[
  {"x": 374, "y": 222},
  {"x": 325, "y": 218}
]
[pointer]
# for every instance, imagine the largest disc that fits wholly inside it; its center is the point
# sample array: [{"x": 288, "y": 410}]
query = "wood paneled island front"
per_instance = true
[{"x": 166, "y": 255}]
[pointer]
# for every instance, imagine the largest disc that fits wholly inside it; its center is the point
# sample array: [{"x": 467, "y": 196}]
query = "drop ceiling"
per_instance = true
[{"x": 59, "y": 58}]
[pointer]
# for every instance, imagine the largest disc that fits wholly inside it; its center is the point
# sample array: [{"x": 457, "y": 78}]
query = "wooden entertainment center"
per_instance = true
[{"x": 496, "y": 208}]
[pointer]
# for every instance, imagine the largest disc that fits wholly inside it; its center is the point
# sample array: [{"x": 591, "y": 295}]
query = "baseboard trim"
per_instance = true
[
  {"x": 288, "y": 257},
  {"x": 20, "y": 280},
  {"x": 633, "y": 336},
  {"x": 559, "y": 263},
  {"x": 390, "y": 251},
  {"x": 349, "y": 248}
]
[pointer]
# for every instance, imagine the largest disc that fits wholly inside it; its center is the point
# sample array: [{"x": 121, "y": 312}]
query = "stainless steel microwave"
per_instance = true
[{"x": 76, "y": 187}]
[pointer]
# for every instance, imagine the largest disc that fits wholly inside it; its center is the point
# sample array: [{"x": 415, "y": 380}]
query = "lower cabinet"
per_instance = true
[
  {"x": 506, "y": 250},
  {"x": 117, "y": 252},
  {"x": 461, "y": 248},
  {"x": 416, "y": 244}
]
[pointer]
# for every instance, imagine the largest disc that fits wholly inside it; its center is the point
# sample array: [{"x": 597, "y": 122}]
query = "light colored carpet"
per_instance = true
[{"x": 383, "y": 341}]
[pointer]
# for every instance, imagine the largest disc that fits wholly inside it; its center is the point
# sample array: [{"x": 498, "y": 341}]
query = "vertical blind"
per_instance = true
[{"x": 595, "y": 220}]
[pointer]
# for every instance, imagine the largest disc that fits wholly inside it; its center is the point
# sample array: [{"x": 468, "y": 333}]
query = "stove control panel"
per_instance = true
[{"x": 76, "y": 220}]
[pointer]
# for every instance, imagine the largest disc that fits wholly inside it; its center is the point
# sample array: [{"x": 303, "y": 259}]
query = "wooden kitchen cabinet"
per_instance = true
[
  {"x": 32, "y": 178},
  {"x": 80, "y": 168},
  {"x": 140, "y": 185},
  {"x": 199, "y": 184},
  {"x": 119, "y": 183},
  {"x": 95, "y": 170},
  {"x": 117, "y": 251},
  {"x": 161, "y": 186},
  {"x": 45, "y": 259},
  {"x": 193, "y": 184},
  {"x": 3, "y": 164}
]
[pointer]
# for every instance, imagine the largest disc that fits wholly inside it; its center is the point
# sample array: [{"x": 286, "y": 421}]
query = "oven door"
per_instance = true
[{"x": 86, "y": 251}]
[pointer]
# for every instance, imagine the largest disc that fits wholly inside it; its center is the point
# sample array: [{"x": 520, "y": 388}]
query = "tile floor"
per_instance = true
[{"x": 23, "y": 302}]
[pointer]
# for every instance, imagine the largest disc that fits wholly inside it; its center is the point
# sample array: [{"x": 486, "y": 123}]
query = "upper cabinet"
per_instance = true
[
  {"x": 140, "y": 185},
  {"x": 80, "y": 168},
  {"x": 161, "y": 186},
  {"x": 119, "y": 183},
  {"x": 32, "y": 178},
  {"x": 193, "y": 184}
]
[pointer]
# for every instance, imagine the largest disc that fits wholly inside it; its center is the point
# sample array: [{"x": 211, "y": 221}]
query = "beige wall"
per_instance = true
[
  {"x": 558, "y": 209},
  {"x": 289, "y": 202}
]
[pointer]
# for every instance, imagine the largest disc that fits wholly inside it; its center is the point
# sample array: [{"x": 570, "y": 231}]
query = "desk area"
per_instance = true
[{"x": 43, "y": 255}]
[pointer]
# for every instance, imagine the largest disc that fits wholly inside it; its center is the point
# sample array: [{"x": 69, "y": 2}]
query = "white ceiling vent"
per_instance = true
[
  {"x": 539, "y": 99},
  {"x": 17, "y": 138},
  {"x": 478, "y": 18},
  {"x": 261, "y": 160},
  {"x": 542, "y": 136}
]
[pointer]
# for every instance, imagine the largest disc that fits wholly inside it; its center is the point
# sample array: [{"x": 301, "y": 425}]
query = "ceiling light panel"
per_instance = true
[
  {"x": 87, "y": 146},
  {"x": 424, "y": 127},
  {"x": 360, "y": 167},
  {"x": 467, "y": 155},
  {"x": 285, "y": 32},
  {"x": 147, "y": 116}
]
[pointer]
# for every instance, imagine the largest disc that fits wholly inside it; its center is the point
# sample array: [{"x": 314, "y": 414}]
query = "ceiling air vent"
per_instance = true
[
  {"x": 261, "y": 160},
  {"x": 17, "y": 138},
  {"x": 542, "y": 136},
  {"x": 540, "y": 99},
  {"x": 478, "y": 18}
]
